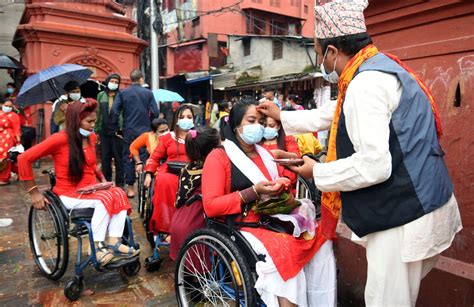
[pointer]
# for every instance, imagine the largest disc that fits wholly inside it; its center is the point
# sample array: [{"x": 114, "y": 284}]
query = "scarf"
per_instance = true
[
  {"x": 331, "y": 201},
  {"x": 153, "y": 141}
]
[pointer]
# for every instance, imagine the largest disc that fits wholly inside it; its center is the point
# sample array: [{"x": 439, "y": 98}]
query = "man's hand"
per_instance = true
[
  {"x": 139, "y": 168},
  {"x": 305, "y": 170},
  {"x": 270, "y": 109}
]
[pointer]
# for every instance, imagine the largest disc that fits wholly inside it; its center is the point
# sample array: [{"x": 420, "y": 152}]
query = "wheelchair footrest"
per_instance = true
[{"x": 121, "y": 263}]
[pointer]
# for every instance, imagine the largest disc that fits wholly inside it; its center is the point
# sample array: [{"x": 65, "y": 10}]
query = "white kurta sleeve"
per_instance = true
[
  {"x": 370, "y": 100},
  {"x": 304, "y": 121}
]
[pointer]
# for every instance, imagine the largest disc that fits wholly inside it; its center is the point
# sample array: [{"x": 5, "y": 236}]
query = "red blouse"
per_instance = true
[
  {"x": 57, "y": 146},
  {"x": 169, "y": 148}
]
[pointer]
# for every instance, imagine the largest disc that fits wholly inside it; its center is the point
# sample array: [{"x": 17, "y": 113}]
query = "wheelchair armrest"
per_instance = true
[{"x": 52, "y": 176}]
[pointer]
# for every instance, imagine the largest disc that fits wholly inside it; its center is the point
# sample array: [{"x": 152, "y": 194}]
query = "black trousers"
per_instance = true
[{"x": 111, "y": 148}]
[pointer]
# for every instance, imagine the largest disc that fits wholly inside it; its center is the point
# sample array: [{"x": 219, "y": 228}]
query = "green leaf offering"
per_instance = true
[{"x": 284, "y": 204}]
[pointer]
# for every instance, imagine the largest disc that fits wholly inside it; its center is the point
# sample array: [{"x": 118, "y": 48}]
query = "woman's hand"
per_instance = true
[
  {"x": 139, "y": 168},
  {"x": 147, "y": 181},
  {"x": 305, "y": 170},
  {"x": 281, "y": 154},
  {"x": 38, "y": 200},
  {"x": 269, "y": 188}
]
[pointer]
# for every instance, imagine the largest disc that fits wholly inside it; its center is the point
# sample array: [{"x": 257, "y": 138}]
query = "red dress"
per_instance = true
[
  {"x": 289, "y": 254},
  {"x": 114, "y": 199},
  {"x": 9, "y": 131},
  {"x": 291, "y": 146},
  {"x": 166, "y": 184}
]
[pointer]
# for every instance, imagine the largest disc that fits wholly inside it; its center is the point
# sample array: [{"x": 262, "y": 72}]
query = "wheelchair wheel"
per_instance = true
[
  {"x": 141, "y": 191},
  {"x": 48, "y": 241},
  {"x": 148, "y": 211},
  {"x": 132, "y": 268},
  {"x": 73, "y": 288},
  {"x": 211, "y": 270},
  {"x": 306, "y": 189}
]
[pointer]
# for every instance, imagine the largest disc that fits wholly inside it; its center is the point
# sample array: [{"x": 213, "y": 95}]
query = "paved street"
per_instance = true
[{"x": 21, "y": 283}]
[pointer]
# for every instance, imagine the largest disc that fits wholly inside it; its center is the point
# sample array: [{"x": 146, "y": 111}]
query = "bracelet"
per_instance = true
[
  {"x": 248, "y": 195},
  {"x": 31, "y": 189},
  {"x": 255, "y": 190},
  {"x": 138, "y": 163},
  {"x": 241, "y": 198}
]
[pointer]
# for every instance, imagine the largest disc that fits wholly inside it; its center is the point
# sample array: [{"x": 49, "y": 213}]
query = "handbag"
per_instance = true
[{"x": 174, "y": 167}]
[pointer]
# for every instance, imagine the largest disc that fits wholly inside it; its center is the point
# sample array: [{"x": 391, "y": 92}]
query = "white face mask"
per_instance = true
[
  {"x": 112, "y": 86},
  {"x": 75, "y": 96},
  {"x": 332, "y": 77},
  {"x": 6, "y": 109}
]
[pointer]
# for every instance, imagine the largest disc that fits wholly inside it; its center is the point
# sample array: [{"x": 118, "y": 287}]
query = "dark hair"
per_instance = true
[
  {"x": 349, "y": 44},
  {"x": 135, "y": 75},
  {"x": 293, "y": 97},
  {"x": 223, "y": 106},
  {"x": 198, "y": 148},
  {"x": 110, "y": 77},
  {"x": 269, "y": 89},
  {"x": 236, "y": 115},
  {"x": 157, "y": 122},
  {"x": 11, "y": 84},
  {"x": 178, "y": 112},
  {"x": 71, "y": 85},
  {"x": 76, "y": 112}
]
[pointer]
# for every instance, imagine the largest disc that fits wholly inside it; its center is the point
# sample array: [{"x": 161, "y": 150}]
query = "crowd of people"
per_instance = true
[{"x": 384, "y": 168}]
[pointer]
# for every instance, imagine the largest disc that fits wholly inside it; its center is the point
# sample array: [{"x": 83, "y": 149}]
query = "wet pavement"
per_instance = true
[{"x": 22, "y": 284}]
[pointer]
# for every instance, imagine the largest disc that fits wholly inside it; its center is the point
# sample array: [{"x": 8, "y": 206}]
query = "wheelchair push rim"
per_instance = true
[
  {"x": 48, "y": 241},
  {"x": 210, "y": 274}
]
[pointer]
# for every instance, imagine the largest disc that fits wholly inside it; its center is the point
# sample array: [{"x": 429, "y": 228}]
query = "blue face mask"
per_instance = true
[
  {"x": 270, "y": 133},
  {"x": 84, "y": 132},
  {"x": 185, "y": 124},
  {"x": 6, "y": 109},
  {"x": 10, "y": 90},
  {"x": 332, "y": 77},
  {"x": 252, "y": 134}
]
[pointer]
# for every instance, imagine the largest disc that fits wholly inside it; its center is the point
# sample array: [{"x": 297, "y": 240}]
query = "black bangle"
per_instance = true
[{"x": 138, "y": 163}]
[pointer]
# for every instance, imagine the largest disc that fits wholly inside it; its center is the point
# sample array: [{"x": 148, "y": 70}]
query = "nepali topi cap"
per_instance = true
[{"x": 340, "y": 18}]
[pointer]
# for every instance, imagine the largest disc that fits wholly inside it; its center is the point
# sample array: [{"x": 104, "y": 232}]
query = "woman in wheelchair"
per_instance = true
[
  {"x": 189, "y": 215},
  {"x": 75, "y": 164},
  {"x": 149, "y": 140},
  {"x": 295, "y": 271},
  {"x": 170, "y": 149}
]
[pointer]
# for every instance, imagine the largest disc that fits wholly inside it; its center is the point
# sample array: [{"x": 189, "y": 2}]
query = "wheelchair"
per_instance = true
[
  {"x": 49, "y": 231},
  {"x": 142, "y": 194},
  {"x": 216, "y": 266}
]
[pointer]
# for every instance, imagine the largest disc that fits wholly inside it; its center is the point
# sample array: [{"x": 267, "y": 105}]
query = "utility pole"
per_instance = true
[{"x": 155, "y": 59}]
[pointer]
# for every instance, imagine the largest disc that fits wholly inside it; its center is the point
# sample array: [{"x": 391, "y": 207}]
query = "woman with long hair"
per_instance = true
[
  {"x": 170, "y": 149},
  {"x": 296, "y": 270},
  {"x": 75, "y": 165}
]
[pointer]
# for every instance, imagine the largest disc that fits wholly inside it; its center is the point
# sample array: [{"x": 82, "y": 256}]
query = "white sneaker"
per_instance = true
[{"x": 5, "y": 222}]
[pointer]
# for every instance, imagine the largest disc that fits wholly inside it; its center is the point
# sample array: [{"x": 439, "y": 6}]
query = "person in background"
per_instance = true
[
  {"x": 10, "y": 133},
  {"x": 75, "y": 166},
  {"x": 149, "y": 140},
  {"x": 214, "y": 114},
  {"x": 189, "y": 216},
  {"x": 308, "y": 143},
  {"x": 269, "y": 95},
  {"x": 200, "y": 121},
  {"x": 170, "y": 149},
  {"x": 111, "y": 145},
  {"x": 11, "y": 92},
  {"x": 280, "y": 145},
  {"x": 224, "y": 109},
  {"x": 73, "y": 93},
  {"x": 138, "y": 108},
  {"x": 207, "y": 114},
  {"x": 295, "y": 102},
  {"x": 281, "y": 100}
]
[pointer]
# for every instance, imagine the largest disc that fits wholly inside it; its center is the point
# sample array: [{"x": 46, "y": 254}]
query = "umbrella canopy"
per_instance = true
[
  {"x": 9, "y": 62},
  {"x": 48, "y": 84},
  {"x": 167, "y": 96}
]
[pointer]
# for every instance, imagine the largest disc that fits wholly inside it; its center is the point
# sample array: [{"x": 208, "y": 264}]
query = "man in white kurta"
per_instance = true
[{"x": 399, "y": 257}]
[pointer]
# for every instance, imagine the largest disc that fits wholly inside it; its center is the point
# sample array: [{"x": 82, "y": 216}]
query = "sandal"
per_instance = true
[
  {"x": 116, "y": 251},
  {"x": 103, "y": 256}
]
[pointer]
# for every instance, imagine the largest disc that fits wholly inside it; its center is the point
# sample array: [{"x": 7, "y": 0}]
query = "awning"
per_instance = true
[
  {"x": 197, "y": 41},
  {"x": 198, "y": 80},
  {"x": 221, "y": 82}
]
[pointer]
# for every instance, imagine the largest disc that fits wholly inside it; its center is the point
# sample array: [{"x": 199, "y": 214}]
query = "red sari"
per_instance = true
[
  {"x": 289, "y": 254},
  {"x": 114, "y": 199},
  {"x": 166, "y": 184},
  {"x": 9, "y": 131}
]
